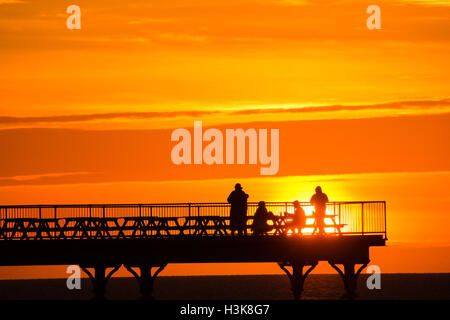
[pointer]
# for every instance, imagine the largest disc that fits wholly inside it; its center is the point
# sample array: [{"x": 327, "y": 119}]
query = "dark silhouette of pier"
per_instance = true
[{"x": 144, "y": 238}]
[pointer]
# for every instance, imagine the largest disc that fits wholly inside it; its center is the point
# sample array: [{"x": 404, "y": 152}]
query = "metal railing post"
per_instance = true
[
  {"x": 339, "y": 206},
  {"x": 40, "y": 212},
  {"x": 189, "y": 224},
  {"x": 385, "y": 224},
  {"x": 362, "y": 218}
]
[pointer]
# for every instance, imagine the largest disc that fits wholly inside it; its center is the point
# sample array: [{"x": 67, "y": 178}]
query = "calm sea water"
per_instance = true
[{"x": 272, "y": 287}]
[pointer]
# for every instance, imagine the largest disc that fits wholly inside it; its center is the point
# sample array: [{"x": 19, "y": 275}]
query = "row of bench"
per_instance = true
[{"x": 126, "y": 227}]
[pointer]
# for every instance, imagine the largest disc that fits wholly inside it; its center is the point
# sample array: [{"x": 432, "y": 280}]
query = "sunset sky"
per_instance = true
[{"x": 86, "y": 115}]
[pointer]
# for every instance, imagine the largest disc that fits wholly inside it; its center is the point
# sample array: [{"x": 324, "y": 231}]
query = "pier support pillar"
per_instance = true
[
  {"x": 146, "y": 279},
  {"x": 349, "y": 277},
  {"x": 99, "y": 278},
  {"x": 296, "y": 275}
]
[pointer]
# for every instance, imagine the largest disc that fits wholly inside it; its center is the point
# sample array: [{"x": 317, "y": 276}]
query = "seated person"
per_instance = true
[
  {"x": 298, "y": 218},
  {"x": 260, "y": 225}
]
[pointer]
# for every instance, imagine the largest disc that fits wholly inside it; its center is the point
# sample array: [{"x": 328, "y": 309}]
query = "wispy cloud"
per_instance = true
[
  {"x": 395, "y": 105},
  {"x": 48, "y": 178},
  {"x": 428, "y": 2},
  {"x": 34, "y": 155},
  {"x": 45, "y": 175},
  {"x": 12, "y": 2},
  {"x": 182, "y": 37},
  {"x": 153, "y": 20},
  {"x": 294, "y": 2},
  {"x": 412, "y": 104},
  {"x": 102, "y": 116}
]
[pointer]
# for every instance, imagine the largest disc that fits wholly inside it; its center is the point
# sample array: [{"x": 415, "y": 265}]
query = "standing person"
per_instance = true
[
  {"x": 319, "y": 200},
  {"x": 298, "y": 218},
  {"x": 259, "y": 225},
  {"x": 238, "y": 212}
]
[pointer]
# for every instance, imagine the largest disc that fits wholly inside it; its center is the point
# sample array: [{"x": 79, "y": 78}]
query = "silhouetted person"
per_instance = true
[
  {"x": 260, "y": 218},
  {"x": 319, "y": 200},
  {"x": 298, "y": 218},
  {"x": 238, "y": 212}
]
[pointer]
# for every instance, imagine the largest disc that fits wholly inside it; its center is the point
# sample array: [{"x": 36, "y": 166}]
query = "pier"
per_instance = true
[{"x": 144, "y": 238}]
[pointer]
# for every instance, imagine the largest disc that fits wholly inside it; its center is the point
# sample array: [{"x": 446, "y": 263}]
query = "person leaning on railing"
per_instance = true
[
  {"x": 238, "y": 211},
  {"x": 319, "y": 200}
]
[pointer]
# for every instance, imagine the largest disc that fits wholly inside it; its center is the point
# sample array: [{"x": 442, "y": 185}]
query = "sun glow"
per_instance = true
[{"x": 330, "y": 220}]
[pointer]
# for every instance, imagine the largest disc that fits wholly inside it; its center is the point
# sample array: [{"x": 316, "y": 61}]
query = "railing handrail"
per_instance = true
[
  {"x": 363, "y": 217},
  {"x": 174, "y": 204}
]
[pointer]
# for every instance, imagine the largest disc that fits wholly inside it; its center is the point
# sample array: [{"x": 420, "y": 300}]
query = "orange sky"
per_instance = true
[{"x": 86, "y": 115}]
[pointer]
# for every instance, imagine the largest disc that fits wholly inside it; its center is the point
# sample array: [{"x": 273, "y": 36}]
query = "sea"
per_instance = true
[{"x": 236, "y": 287}]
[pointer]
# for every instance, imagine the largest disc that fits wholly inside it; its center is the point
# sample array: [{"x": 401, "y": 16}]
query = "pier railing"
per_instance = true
[{"x": 174, "y": 219}]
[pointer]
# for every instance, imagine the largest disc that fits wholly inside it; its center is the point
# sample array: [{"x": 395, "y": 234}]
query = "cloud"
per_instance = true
[
  {"x": 153, "y": 20},
  {"x": 307, "y": 148},
  {"x": 101, "y": 116},
  {"x": 13, "y": 2},
  {"x": 413, "y": 104},
  {"x": 396, "y": 105},
  {"x": 181, "y": 37},
  {"x": 428, "y": 2},
  {"x": 49, "y": 178},
  {"x": 46, "y": 175},
  {"x": 294, "y": 2}
]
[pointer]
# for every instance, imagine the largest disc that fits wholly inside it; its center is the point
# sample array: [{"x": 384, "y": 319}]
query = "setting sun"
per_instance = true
[{"x": 149, "y": 114}]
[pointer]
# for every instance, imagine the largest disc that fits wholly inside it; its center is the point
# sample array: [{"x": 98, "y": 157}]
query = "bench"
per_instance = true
[{"x": 281, "y": 228}]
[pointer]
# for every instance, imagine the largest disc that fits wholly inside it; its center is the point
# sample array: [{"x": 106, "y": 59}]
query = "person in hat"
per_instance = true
[
  {"x": 319, "y": 201},
  {"x": 238, "y": 211}
]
